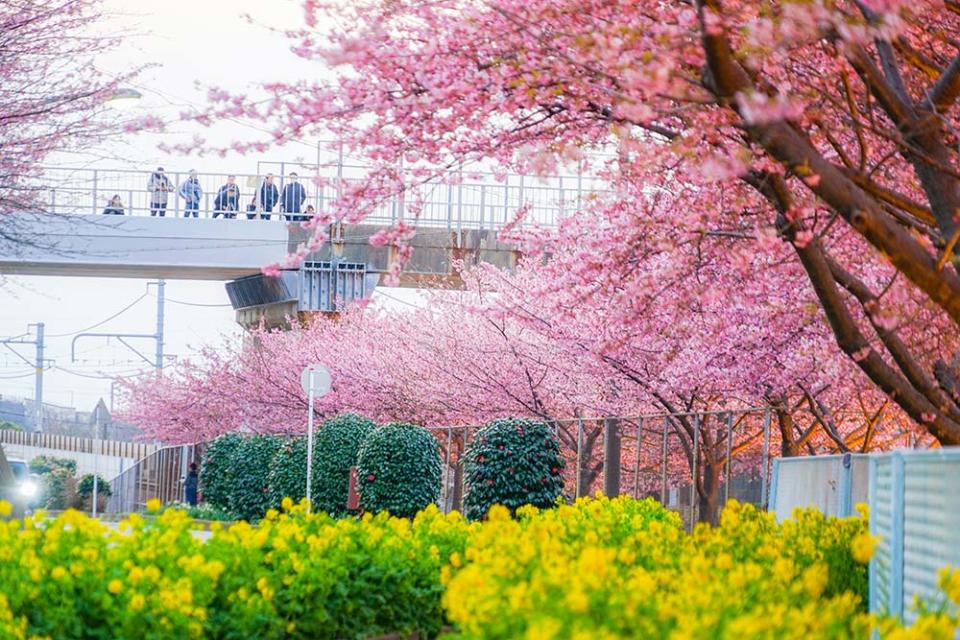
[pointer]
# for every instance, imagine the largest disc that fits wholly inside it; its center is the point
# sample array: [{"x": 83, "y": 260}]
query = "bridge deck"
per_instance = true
[{"x": 137, "y": 247}]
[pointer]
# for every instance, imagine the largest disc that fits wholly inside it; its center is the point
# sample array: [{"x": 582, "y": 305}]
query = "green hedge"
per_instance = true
[
  {"x": 399, "y": 470},
  {"x": 216, "y": 472},
  {"x": 85, "y": 487},
  {"x": 336, "y": 448},
  {"x": 250, "y": 473},
  {"x": 513, "y": 462},
  {"x": 288, "y": 472},
  {"x": 47, "y": 464}
]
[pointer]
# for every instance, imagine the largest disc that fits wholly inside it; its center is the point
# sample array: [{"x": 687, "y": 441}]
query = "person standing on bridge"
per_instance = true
[
  {"x": 114, "y": 207},
  {"x": 267, "y": 197},
  {"x": 191, "y": 192},
  {"x": 227, "y": 202},
  {"x": 292, "y": 198},
  {"x": 159, "y": 186}
]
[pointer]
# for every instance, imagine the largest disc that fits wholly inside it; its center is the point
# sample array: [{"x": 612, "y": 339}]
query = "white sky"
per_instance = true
[{"x": 206, "y": 41}]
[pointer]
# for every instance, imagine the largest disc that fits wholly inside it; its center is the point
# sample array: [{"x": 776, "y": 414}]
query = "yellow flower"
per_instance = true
[
  {"x": 154, "y": 504},
  {"x": 114, "y": 586},
  {"x": 137, "y": 602},
  {"x": 577, "y": 600},
  {"x": 498, "y": 513},
  {"x": 58, "y": 573},
  {"x": 6, "y": 509},
  {"x": 287, "y": 504},
  {"x": 815, "y": 580},
  {"x": 862, "y": 547}
]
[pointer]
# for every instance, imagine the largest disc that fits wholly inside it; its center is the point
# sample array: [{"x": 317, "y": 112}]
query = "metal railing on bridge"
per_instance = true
[{"x": 467, "y": 200}]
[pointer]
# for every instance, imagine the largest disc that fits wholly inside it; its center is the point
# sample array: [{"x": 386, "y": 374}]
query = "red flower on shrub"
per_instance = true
[
  {"x": 371, "y": 478},
  {"x": 489, "y": 482}
]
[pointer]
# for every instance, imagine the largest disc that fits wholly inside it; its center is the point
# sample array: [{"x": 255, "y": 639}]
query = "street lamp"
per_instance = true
[{"x": 123, "y": 98}]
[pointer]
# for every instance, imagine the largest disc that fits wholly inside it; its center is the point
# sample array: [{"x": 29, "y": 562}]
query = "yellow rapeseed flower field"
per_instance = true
[{"x": 596, "y": 569}]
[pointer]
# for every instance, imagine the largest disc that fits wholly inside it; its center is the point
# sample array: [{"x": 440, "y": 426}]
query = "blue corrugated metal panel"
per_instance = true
[
  {"x": 931, "y": 535},
  {"x": 881, "y": 526},
  {"x": 915, "y": 510}
]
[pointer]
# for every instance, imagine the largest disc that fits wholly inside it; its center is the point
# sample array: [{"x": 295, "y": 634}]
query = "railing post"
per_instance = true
[
  {"x": 96, "y": 198},
  {"x": 449, "y": 206},
  {"x": 764, "y": 502},
  {"x": 579, "y": 184},
  {"x": 506, "y": 198},
  {"x": 636, "y": 470},
  {"x": 726, "y": 487},
  {"x": 175, "y": 195},
  {"x": 483, "y": 202},
  {"x": 579, "y": 454},
  {"x": 460, "y": 200},
  {"x": 695, "y": 471},
  {"x": 663, "y": 463}
]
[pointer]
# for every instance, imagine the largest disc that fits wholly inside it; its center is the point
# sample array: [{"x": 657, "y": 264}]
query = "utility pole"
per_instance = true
[
  {"x": 157, "y": 336},
  {"x": 38, "y": 380},
  {"x": 37, "y": 365},
  {"x": 159, "y": 358}
]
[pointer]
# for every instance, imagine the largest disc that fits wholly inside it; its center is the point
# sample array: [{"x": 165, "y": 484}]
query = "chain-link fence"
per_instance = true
[{"x": 692, "y": 462}]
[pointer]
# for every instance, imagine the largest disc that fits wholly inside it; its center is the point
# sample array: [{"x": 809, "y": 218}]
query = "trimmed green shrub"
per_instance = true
[
  {"x": 512, "y": 462},
  {"x": 250, "y": 473},
  {"x": 288, "y": 472},
  {"x": 45, "y": 464},
  {"x": 85, "y": 487},
  {"x": 59, "y": 489},
  {"x": 216, "y": 473},
  {"x": 398, "y": 469},
  {"x": 337, "y": 446}
]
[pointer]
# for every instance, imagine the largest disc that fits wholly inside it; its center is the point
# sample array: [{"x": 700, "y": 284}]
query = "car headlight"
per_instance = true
[{"x": 28, "y": 489}]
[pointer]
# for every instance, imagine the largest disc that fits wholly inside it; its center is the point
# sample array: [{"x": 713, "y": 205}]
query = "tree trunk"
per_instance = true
[
  {"x": 611, "y": 457},
  {"x": 708, "y": 493}
]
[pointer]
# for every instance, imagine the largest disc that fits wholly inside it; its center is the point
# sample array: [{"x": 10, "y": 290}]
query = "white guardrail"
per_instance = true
[{"x": 471, "y": 200}]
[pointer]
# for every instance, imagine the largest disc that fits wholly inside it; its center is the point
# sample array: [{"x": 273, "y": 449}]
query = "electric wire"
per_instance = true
[{"x": 102, "y": 322}]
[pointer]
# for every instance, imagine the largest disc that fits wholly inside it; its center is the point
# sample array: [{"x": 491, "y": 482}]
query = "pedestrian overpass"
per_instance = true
[{"x": 459, "y": 222}]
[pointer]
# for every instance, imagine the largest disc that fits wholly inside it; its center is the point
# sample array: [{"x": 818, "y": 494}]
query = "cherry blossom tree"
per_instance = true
[
  {"x": 830, "y": 127},
  {"x": 52, "y": 99}
]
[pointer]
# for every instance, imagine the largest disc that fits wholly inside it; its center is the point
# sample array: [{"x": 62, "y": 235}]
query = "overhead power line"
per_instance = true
[
  {"x": 197, "y": 304},
  {"x": 102, "y": 322}
]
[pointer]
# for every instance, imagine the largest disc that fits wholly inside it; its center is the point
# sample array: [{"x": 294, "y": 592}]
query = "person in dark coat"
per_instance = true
[
  {"x": 114, "y": 207},
  {"x": 268, "y": 196},
  {"x": 190, "y": 485},
  {"x": 227, "y": 202},
  {"x": 292, "y": 198}
]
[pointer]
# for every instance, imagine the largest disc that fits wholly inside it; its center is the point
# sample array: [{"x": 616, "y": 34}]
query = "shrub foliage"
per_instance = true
[
  {"x": 216, "y": 473},
  {"x": 336, "y": 448},
  {"x": 250, "y": 473},
  {"x": 512, "y": 462},
  {"x": 47, "y": 464},
  {"x": 288, "y": 472},
  {"x": 398, "y": 469}
]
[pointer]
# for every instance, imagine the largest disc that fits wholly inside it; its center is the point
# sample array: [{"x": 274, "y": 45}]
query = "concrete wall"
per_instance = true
[{"x": 108, "y": 467}]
